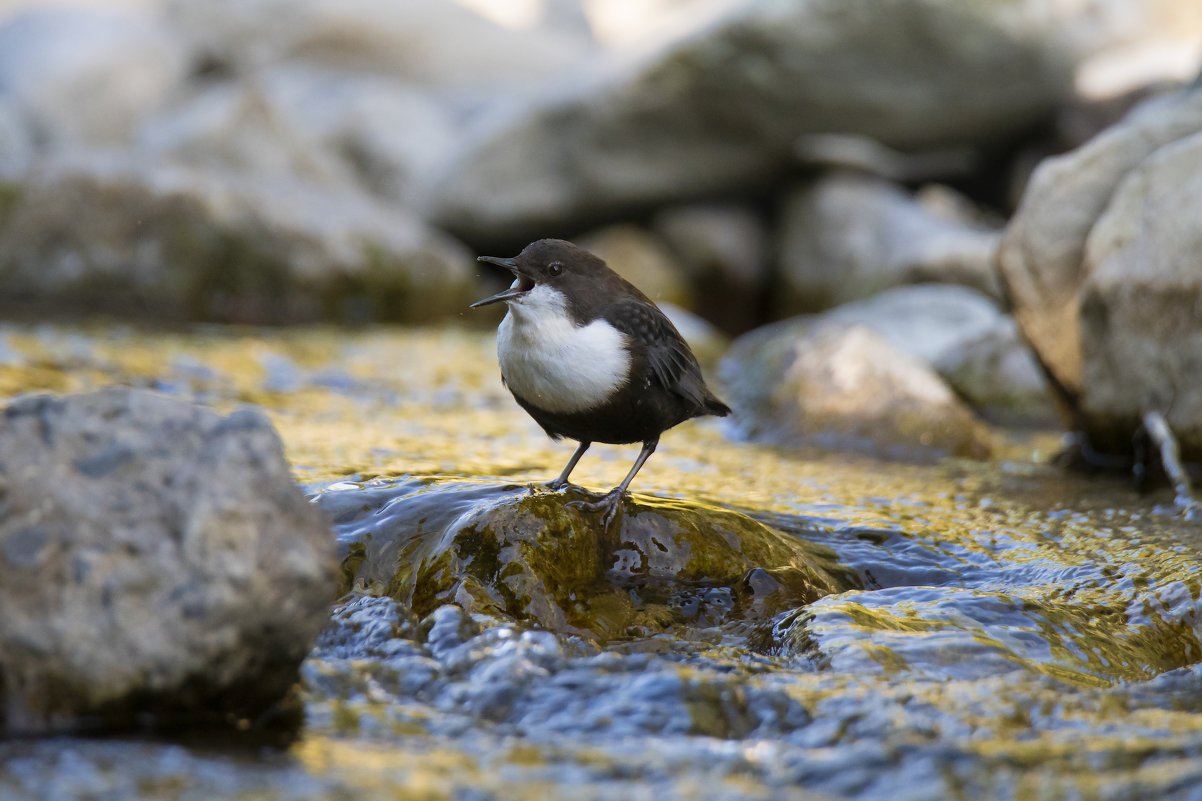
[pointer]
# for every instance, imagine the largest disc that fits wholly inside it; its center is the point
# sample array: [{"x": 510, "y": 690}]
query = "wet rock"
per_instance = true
[
  {"x": 1061, "y": 265},
  {"x": 847, "y": 387},
  {"x": 721, "y": 106},
  {"x": 846, "y": 237},
  {"x": 88, "y": 76},
  {"x": 523, "y": 554},
  {"x": 967, "y": 339},
  {"x": 110, "y": 232},
  {"x": 157, "y": 564}
]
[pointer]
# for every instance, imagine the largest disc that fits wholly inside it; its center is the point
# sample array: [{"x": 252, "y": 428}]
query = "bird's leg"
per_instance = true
[
  {"x": 648, "y": 449},
  {"x": 562, "y": 480},
  {"x": 612, "y": 501}
]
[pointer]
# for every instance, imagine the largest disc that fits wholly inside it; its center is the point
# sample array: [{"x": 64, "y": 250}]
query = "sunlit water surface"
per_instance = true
[{"x": 1017, "y": 632}]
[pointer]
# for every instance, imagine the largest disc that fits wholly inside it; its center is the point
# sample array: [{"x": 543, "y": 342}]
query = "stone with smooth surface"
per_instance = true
[
  {"x": 846, "y": 387},
  {"x": 848, "y": 236},
  {"x": 719, "y": 107},
  {"x": 1141, "y": 304},
  {"x": 1101, "y": 287},
  {"x": 88, "y": 76}
]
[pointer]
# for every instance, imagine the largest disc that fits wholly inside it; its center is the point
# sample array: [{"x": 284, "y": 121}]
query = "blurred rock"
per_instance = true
[
  {"x": 721, "y": 107},
  {"x": 932, "y": 321},
  {"x": 846, "y": 387},
  {"x": 724, "y": 249},
  {"x": 157, "y": 564},
  {"x": 1141, "y": 304},
  {"x": 116, "y": 234},
  {"x": 428, "y": 43},
  {"x": 1058, "y": 301},
  {"x": 643, "y": 259},
  {"x": 841, "y": 151},
  {"x": 16, "y": 137},
  {"x": 522, "y": 553},
  {"x": 88, "y": 77},
  {"x": 967, "y": 339},
  {"x": 327, "y": 126},
  {"x": 1129, "y": 44},
  {"x": 1000, "y": 378},
  {"x": 849, "y": 236}
]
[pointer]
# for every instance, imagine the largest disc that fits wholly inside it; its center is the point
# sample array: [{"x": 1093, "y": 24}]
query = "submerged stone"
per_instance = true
[{"x": 524, "y": 554}]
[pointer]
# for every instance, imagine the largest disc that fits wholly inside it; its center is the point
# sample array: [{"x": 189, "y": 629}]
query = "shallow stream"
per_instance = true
[{"x": 981, "y": 630}]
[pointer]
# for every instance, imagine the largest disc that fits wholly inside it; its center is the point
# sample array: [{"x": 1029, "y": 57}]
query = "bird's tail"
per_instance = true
[{"x": 715, "y": 406}]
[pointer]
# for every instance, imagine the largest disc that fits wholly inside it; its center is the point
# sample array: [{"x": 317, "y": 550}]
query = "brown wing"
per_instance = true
[{"x": 671, "y": 360}]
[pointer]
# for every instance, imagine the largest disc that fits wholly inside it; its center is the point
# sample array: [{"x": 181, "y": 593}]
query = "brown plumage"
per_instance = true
[{"x": 592, "y": 358}]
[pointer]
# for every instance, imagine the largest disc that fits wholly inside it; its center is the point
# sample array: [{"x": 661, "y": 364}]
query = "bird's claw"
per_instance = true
[{"x": 609, "y": 505}]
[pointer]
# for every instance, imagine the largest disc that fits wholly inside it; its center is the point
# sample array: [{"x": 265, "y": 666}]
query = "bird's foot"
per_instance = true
[
  {"x": 556, "y": 483},
  {"x": 608, "y": 505}
]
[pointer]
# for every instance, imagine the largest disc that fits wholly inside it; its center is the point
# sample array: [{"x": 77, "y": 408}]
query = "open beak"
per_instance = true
[{"x": 520, "y": 287}]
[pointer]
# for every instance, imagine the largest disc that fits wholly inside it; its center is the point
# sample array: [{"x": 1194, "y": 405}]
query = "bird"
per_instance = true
[{"x": 593, "y": 359}]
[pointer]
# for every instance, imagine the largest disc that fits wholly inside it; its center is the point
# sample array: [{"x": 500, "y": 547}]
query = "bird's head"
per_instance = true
[{"x": 549, "y": 269}]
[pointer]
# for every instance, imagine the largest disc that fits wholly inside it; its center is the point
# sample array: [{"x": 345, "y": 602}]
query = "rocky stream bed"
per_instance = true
[{"x": 760, "y": 623}]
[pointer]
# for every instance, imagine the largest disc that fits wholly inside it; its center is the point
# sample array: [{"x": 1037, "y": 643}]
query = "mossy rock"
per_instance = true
[
  {"x": 524, "y": 553},
  {"x": 108, "y": 232}
]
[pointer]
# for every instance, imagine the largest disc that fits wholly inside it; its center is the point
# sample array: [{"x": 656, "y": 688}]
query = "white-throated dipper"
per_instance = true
[{"x": 592, "y": 358}]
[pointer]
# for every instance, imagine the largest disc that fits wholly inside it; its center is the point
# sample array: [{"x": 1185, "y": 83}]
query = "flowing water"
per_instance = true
[{"x": 981, "y": 630}]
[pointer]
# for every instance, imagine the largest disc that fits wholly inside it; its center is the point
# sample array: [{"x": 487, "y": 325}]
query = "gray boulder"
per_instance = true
[
  {"x": 157, "y": 564},
  {"x": 1107, "y": 307},
  {"x": 721, "y": 106},
  {"x": 963, "y": 334},
  {"x": 115, "y": 233},
  {"x": 849, "y": 236},
  {"x": 328, "y": 126},
  {"x": 846, "y": 387},
  {"x": 425, "y": 42},
  {"x": 88, "y": 76},
  {"x": 1141, "y": 304}
]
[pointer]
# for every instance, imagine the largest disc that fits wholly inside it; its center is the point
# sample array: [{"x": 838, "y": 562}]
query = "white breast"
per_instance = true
[{"x": 552, "y": 362}]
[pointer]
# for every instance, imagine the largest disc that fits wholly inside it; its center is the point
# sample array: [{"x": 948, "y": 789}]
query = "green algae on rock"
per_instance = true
[{"x": 522, "y": 553}]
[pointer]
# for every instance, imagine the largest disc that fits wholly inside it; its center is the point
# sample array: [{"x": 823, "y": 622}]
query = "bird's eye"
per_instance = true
[{"x": 555, "y": 269}]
